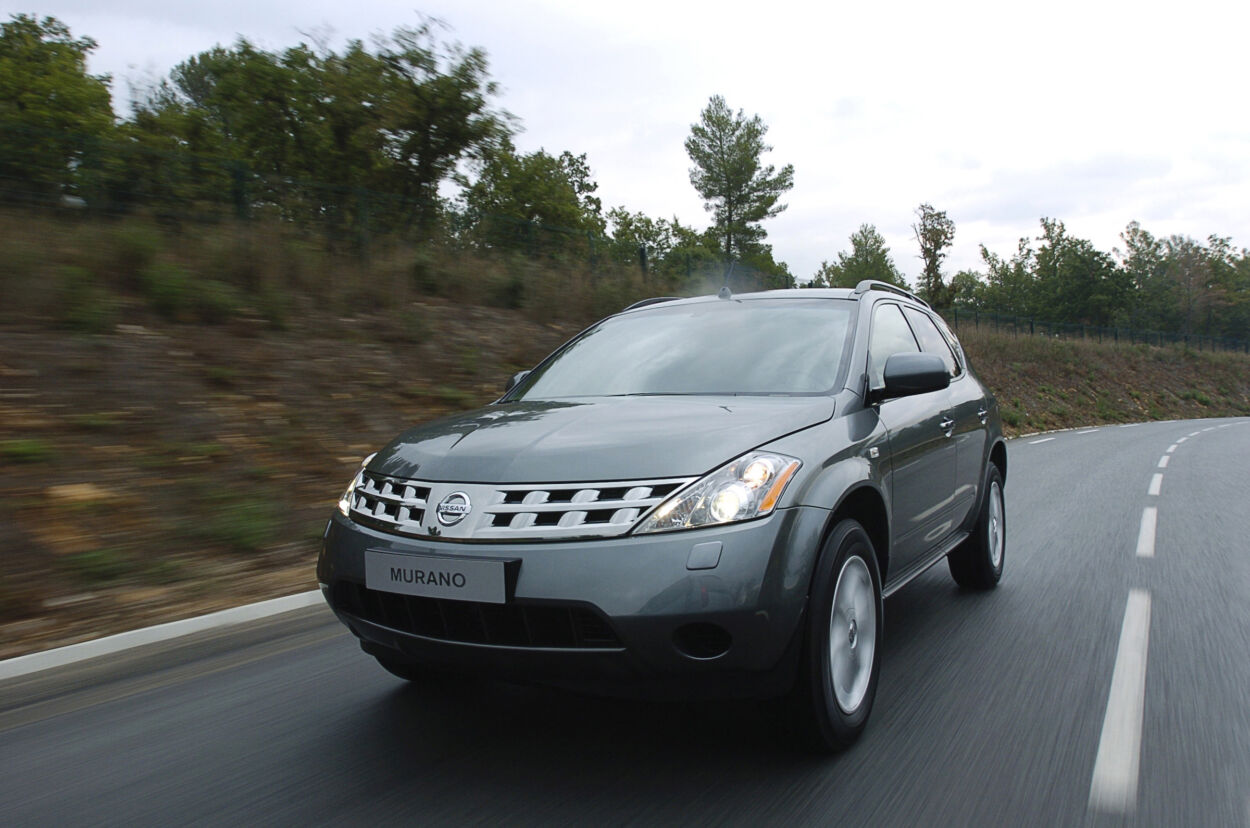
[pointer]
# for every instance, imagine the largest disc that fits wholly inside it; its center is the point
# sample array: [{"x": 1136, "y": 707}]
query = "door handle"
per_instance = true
[
  {"x": 947, "y": 425},
  {"x": 984, "y": 414}
]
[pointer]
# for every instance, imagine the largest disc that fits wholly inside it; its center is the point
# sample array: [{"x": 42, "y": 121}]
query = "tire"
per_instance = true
[
  {"x": 407, "y": 670},
  {"x": 841, "y": 658},
  {"x": 977, "y": 563}
]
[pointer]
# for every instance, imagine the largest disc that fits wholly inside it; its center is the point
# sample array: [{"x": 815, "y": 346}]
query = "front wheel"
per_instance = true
[
  {"x": 842, "y": 655},
  {"x": 406, "y": 670},
  {"x": 977, "y": 563}
]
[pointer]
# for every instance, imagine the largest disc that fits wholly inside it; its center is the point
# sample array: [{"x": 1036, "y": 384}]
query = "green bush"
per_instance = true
[
  {"x": 27, "y": 450},
  {"x": 176, "y": 294},
  {"x": 134, "y": 249},
  {"x": 82, "y": 303},
  {"x": 99, "y": 565},
  {"x": 167, "y": 288},
  {"x": 241, "y": 525}
]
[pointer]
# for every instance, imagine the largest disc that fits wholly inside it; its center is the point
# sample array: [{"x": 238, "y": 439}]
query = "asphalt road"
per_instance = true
[{"x": 1054, "y": 700}]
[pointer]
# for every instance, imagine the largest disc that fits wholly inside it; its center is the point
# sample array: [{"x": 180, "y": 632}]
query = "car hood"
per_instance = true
[{"x": 595, "y": 439}]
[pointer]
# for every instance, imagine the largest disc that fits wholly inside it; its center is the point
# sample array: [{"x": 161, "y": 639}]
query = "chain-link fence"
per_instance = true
[{"x": 1029, "y": 326}]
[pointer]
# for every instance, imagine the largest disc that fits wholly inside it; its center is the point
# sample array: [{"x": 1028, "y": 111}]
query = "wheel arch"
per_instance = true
[
  {"x": 866, "y": 505},
  {"x": 998, "y": 456}
]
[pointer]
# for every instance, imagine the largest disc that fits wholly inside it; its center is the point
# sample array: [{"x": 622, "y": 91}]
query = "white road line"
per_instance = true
[
  {"x": 1156, "y": 483},
  {"x": 1194, "y": 433},
  {"x": 34, "y": 662},
  {"x": 1172, "y": 448},
  {"x": 1091, "y": 431},
  {"x": 1146, "y": 535},
  {"x": 1114, "y": 784},
  {"x": 1183, "y": 439},
  {"x": 1043, "y": 440},
  {"x": 1209, "y": 428},
  {"x": 1163, "y": 461},
  {"x": 1130, "y": 425}
]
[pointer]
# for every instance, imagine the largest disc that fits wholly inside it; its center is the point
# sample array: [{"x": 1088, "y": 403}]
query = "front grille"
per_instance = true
[
  {"x": 469, "y": 622},
  {"x": 399, "y": 504},
  {"x": 562, "y": 511}
]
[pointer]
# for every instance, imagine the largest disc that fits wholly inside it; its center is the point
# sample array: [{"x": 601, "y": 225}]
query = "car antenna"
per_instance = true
[{"x": 725, "y": 292}]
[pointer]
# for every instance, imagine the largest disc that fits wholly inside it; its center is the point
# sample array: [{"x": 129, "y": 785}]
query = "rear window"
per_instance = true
[{"x": 751, "y": 346}]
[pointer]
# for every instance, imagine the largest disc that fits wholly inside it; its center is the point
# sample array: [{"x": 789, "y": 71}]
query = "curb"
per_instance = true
[{"x": 61, "y": 656}]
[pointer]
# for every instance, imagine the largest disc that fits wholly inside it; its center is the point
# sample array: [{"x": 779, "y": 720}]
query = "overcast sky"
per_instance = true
[{"x": 1095, "y": 113}]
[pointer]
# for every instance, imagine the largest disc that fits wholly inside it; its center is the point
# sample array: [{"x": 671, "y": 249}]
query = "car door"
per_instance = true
[
  {"x": 967, "y": 406},
  {"x": 922, "y": 453}
]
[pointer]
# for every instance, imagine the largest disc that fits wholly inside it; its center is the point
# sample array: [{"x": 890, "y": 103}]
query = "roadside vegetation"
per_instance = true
[{"x": 162, "y": 456}]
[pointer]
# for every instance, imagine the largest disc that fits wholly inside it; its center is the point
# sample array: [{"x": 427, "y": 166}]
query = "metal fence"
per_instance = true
[{"x": 1029, "y": 326}]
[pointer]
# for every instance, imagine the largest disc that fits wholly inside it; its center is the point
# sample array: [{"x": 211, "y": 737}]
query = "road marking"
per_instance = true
[
  {"x": 1155, "y": 483},
  {"x": 1163, "y": 461},
  {"x": 1130, "y": 425},
  {"x": 1183, "y": 439},
  {"x": 1091, "y": 431},
  {"x": 1209, "y": 428},
  {"x": 1114, "y": 784},
  {"x": 34, "y": 662},
  {"x": 1146, "y": 535},
  {"x": 1194, "y": 433},
  {"x": 1172, "y": 448},
  {"x": 1043, "y": 440}
]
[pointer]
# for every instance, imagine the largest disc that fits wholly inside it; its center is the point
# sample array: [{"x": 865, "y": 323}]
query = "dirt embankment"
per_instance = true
[{"x": 163, "y": 470}]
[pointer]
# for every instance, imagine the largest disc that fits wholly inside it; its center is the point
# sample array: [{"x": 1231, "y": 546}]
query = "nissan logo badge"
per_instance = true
[{"x": 453, "y": 508}]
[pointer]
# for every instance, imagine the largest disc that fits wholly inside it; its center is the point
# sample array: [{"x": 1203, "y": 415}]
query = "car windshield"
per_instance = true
[{"x": 754, "y": 346}]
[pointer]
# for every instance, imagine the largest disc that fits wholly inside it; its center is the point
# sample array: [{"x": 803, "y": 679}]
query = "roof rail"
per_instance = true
[
  {"x": 654, "y": 300},
  {"x": 874, "y": 284}
]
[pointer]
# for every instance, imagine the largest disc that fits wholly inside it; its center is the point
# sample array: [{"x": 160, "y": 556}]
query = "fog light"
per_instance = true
[{"x": 702, "y": 641}]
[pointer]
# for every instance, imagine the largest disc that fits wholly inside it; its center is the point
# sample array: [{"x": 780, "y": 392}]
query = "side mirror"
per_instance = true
[
  {"x": 908, "y": 374},
  {"x": 515, "y": 380}
]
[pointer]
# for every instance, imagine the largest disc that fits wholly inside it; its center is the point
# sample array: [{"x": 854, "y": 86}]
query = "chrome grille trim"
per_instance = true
[{"x": 539, "y": 511}]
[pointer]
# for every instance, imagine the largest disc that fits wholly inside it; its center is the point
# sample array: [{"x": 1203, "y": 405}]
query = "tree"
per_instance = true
[
  {"x": 52, "y": 113},
  {"x": 1076, "y": 282},
  {"x": 934, "y": 233},
  {"x": 516, "y": 194},
  {"x": 1010, "y": 284},
  {"x": 1152, "y": 306},
  {"x": 389, "y": 123},
  {"x": 728, "y": 174},
  {"x": 869, "y": 259},
  {"x": 967, "y": 290}
]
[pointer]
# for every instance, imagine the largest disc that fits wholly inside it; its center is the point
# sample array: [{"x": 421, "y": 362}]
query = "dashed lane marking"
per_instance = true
[
  {"x": 1172, "y": 448},
  {"x": 1194, "y": 433},
  {"x": 1163, "y": 461},
  {"x": 1156, "y": 483},
  {"x": 1146, "y": 534},
  {"x": 1113, "y": 787},
  {"x": 1043, "y": 440}
]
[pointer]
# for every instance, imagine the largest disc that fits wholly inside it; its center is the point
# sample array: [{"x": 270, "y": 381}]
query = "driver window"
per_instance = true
[
  {"x": 890, "y": 335},
  {"x": 931, "y": 339}
]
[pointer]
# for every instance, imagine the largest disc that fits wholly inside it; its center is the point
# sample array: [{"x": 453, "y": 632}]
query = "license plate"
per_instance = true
[{"x": 463, "y": 579}]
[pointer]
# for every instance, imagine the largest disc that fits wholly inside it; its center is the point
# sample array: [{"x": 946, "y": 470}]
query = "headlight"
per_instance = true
[
  {"x": 749, "y": 487},
  {"x": 345, "y": 501}
]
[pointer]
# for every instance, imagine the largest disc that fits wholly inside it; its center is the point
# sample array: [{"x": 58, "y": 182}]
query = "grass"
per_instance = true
[{"x": 1072, "y": 383}]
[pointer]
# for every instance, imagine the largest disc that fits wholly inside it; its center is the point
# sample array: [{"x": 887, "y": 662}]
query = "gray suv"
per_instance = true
[{"x": 701, "y": 497}]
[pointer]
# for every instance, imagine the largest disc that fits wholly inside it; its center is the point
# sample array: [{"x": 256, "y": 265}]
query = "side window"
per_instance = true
[
  {"x": 890, "y": 335},
  {"x": 931, "y": 339}
]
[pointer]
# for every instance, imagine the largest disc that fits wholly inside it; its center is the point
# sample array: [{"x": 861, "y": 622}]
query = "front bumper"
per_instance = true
[{"x": 645, "y": 614}]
